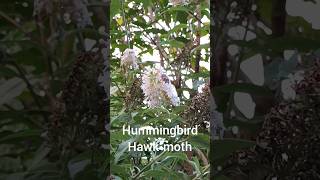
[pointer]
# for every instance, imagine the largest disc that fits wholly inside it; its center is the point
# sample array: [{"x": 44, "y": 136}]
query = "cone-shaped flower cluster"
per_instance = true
[
  {"x": 158, "y": 89},
  {"x": 129, "y": 59}
]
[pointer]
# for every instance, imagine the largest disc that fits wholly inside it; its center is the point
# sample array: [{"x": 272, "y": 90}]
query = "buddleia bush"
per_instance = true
[
  {"x": 287, "y": 145},
  {"x": 53, "y": 89},
  {"x": 156, "y": 49}
]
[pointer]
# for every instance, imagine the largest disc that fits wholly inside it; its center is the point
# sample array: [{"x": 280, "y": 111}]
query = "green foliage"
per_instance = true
[
  {"x": 159, "y": 32},
  {"x": 256, "y": 23},
  {"x": 37, "y": 52}
]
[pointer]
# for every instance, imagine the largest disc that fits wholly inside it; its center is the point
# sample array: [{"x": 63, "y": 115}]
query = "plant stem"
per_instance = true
[
  {"x": 30, "y": 87},
  {"x": 11, "y": 21},
  {"x": 200, "y": 175},
  {"x": 16, "y": 25},
  {"x": 126, "y": 24},
  {"x": 151, "y": 162}
]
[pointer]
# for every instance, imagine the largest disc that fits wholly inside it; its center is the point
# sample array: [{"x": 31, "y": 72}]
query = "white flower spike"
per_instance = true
[
  {"x": 158, "y": 89},
  {"x": 129, "y": 59}
]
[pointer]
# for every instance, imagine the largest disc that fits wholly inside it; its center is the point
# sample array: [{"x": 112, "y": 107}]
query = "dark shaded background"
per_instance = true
[
  {"x": 54, "y": 89},
  {"x": 268, "y": 52}
]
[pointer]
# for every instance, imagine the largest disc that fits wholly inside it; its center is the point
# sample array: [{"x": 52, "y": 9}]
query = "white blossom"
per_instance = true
[
  {"x": 287, "y": 85},
  {"x": 129, "y": 59},
  {"x": 235, "y": 130},
  {"x": 158, "y": 89},
  {"x": 67, "y": 18},
  {"x": 287, "y": 90},
  {"x": 284, "y": 156},
  {"x": 171, "y": 92}
]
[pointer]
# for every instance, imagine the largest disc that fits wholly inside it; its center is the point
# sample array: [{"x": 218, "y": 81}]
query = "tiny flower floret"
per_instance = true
[
  {"x": 158, "y": 89},
  {"x": 129, "y": 59}
]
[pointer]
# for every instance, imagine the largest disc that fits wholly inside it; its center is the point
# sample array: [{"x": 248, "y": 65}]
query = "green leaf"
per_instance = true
[
  {"x": 121, "y": 169},
  {"x": 173, "y": 43},
  {"x": 39, "y": 155},
  {"x": 24, "y": 135},
  {"x": 222, "y": 93},
  {"x": 178, "y": 27},
  {"x": 146, "y": 3},
  {"x": 10, "y": 163},
  {"x": 154, "y": 174},
  {"x": 164, "y": 173},
  {"x": 76, "y": 167},
  {"x": 288, "y": 66},
  {"x": 123, "y": 117},
  {"x": 122, "y": 148},
  {"x": 25, "y": 117},
  {"x": 115, "y": 7},
  {"x": 117, "y": 178},
  {"x": 200, "y": 141},
  {"x": 249, "y": 126},
  {"x": 196, "y": 164},
  {"x": 271, "y": 71},
  {"x": 178, "y": 8},
  {"x": 243, "y": 87},
  {"x": 265, "y": 10},
  {"x": 155, "y": 31},
  {"x": 7, "y": 72},
  {"x": 15, "y": 176},
  {"x": 11, "y": 89},
  {"x": 32, "y": 56},
  {"x": 278, "y": 45},
  {"x": 80, "y": 166},
  {"x": 182, "y": 16},
  {"x": 178, "y": 155},
  {"x": 225, "y": 147},
  {"x": 222, "y": 177},
  {"x": 202, "y": 46},
  {"x": 202, "y": 74}
]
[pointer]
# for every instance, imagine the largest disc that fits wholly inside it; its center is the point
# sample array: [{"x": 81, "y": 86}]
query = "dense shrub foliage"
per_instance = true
[
  {"x": 265, "y": 59},
  {"x": 52, "y": 106},
  {"x": 160, "y": 60},
  {"x": 73, "y": 73}
]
